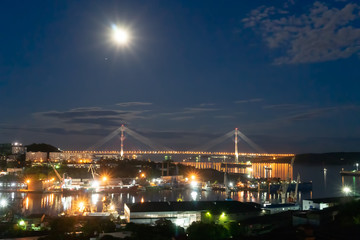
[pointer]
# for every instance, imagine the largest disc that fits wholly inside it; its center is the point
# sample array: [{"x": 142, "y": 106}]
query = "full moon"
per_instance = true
[{"x": 120, "y": 36}]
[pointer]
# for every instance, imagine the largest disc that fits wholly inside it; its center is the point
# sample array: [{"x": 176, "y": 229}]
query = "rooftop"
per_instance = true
[
  {"x": 212, "y": 206},
  {"x": 332, "y": 199}
]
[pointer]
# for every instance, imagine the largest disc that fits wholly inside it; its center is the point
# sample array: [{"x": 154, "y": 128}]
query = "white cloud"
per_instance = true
[
  {"x": 321, "y": 34},
  {"x": 252, "y": 100},
  {"x": 130, "y": 104}
]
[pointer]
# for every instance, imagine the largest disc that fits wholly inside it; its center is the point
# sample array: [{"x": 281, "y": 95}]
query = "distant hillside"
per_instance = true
[
  {"x": 41, "y": 147},
  {"x": 336, "y": 158}
]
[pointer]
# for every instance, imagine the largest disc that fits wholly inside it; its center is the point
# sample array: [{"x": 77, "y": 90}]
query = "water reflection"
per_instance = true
[{"x": 54, "y": 203}]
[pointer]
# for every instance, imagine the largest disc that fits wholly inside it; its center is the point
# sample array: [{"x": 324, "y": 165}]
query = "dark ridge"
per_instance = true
[
  {"x": 336, "y": 158},
  {"x": 41, "y": 147}
]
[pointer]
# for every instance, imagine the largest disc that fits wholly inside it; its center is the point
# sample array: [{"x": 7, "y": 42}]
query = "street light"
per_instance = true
[
  {"x": 346, "y": 190},
  {"x": 3, "y": 203}
]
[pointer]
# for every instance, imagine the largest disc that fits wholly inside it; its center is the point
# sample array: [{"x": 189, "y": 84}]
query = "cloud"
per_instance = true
[
  {"x": 80, "y": 113},
  {"x": 323, "y": 33},
  {"x": 311, "y": 114},
  {"x": 199, "y": 110},
  {"x": 58, "y": 130},
  {"x": 224, "y": 116},
  {"x": 320, "y": 112},
  {"x": 190, "y": 111},
  {"x": 206, "y": 104},
  {"x": 284, "y": 106},
  {"x": 177, "y": 134},
  {"x": 109, "y": 122},
  {"x": 182, "y": 118},
  {"x": 131, "y": 104},
  {"x": 249, "y": 100},
  {"x": 92, "y": 116}
]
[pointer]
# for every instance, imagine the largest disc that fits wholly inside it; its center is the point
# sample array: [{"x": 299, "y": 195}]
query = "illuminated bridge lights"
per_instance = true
[{"x": 183, "y": 153}]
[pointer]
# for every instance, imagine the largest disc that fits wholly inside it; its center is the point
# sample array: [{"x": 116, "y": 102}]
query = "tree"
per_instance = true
[
  {"x": 41, "y": 147},
  {"x": 207, "y": 231},
  {"x": 62, "y": 226}
]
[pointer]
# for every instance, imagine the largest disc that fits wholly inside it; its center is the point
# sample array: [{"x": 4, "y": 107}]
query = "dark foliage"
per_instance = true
[
  {"x": 41, "y": 147},
  {"x": 163, "y": 230},
  {"x": 338, "y": 158},
  {"x": 207, "y": 231}
]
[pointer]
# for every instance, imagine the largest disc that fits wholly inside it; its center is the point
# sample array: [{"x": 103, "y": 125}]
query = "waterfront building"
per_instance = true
[
  {"x": 11, "y": 151},
  {"x": 322, "y": 203},
  {"x": 184, "y": 213},
  {"x": 36, "y": 157},
  {"x": 277, "y": 208},
  {"x": 17, "y": 148},
  {"x": 260, "y": 167},
  {"x": 78, "y": 157}
]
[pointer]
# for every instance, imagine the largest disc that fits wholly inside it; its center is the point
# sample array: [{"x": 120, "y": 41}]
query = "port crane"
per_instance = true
[
  {"x": 285, "y": 184},
  {"x": 93, "y": 171},
  {"x": 61, "y": 179}
]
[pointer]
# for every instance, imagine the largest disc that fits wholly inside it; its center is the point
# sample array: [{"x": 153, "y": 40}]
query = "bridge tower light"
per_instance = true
[
  {"x": 122, "y": 142},
  {"x": 236, "y": 146}
]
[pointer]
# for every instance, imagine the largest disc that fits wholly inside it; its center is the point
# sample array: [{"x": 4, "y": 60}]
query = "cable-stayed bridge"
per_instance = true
[
  {"x": 162, "y": 150},
  {"x": 258, "y": 163}
]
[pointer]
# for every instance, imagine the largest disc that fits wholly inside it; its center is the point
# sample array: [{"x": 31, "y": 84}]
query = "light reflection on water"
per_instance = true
[{"x": 55, "y": 203}]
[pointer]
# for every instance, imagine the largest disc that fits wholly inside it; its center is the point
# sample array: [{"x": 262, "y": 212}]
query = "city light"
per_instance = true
[
  {"x": 22, "y": 224},
  {"x": 28, "y": 181},
  {"x": 94, "y": 198},
  {"x": 143, "y": 175},
  {"x": 223, "y": 216},
  {"x": 179, "y": 222},
  {"x": 186, "y": 153},
  {"x": 346, "y": 190},
  {"x": 194, "y": 184},
  {"x": 81, "y": 206},
  {"x": 95, "y": 184},
  {"x": 104, "y": 178},
  {"x": 112, "y": 207},
  {"x": 194, "y": 195},
  {"x": 193, "y": 177},
  {"x": 3, "y": 203}
]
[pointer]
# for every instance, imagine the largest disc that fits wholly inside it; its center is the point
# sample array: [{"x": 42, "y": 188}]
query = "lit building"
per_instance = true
[
  {"x": 322, "y": 203},
  {"x": 17, "y": 148},
  {"x": 71, "y": 157},
  {"x": 184, "y": 213},
  {"x": 36, "y": 156}
]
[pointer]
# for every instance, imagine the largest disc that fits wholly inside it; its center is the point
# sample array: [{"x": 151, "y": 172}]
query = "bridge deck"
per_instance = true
[{"x": 182, "y": 153}]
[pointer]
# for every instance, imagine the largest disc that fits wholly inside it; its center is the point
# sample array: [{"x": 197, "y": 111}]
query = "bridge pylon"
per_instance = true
[
  {"x": 122, "y": 142},
  {"x": 236, "y": 146}
]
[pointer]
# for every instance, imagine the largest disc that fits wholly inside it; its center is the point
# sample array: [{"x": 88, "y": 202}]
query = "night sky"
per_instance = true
[{"x": 286, "y": 73}]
